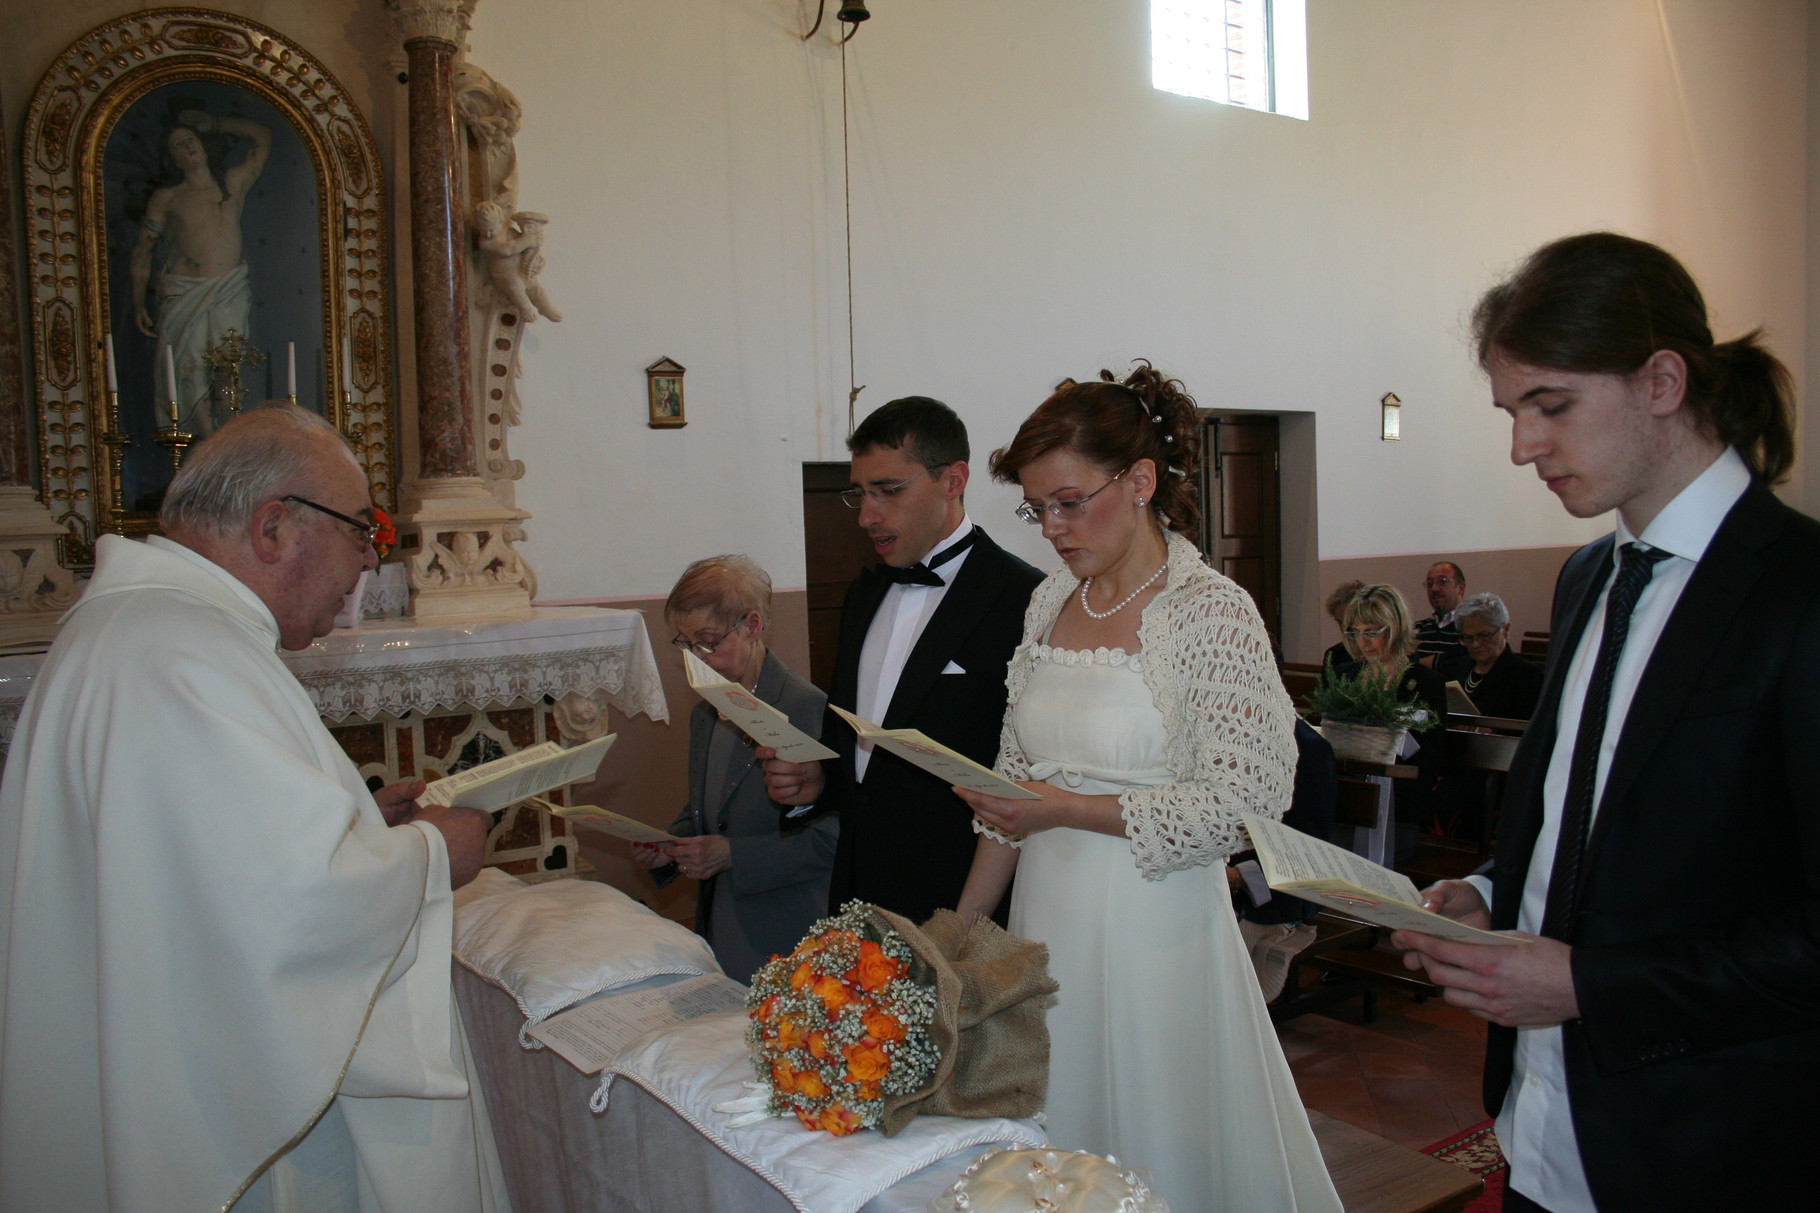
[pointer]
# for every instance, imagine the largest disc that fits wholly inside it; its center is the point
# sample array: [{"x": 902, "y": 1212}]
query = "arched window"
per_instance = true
[{"x": 1252, "y": 53}]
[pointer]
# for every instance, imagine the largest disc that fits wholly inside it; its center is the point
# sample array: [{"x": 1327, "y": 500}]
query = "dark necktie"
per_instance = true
[
  {"x": 1635, "y": 564},
  {"x": 925, "y": 574}
]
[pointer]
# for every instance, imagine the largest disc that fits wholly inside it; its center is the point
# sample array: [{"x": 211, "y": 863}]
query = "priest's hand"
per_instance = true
[
  {"x": 703, "y": 856},
  {"x": 790, "y": 782},
  {"x": 652, "y": 855},
  {"x": 465, "y": 832},
  {"x": 398, "y": 801}
]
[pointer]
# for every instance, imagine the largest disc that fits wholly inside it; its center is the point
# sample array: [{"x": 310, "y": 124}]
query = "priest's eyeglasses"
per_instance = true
[
  {"x": 1074, "y": 507},
  {"x": 883, "y": 494},
  {"x": 368, "y": 531}
]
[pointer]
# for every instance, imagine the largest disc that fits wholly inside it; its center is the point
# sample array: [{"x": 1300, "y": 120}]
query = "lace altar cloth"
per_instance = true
[{"x": 397, "y": 666}]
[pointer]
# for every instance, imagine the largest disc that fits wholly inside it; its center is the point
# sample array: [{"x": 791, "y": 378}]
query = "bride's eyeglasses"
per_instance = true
[{"x": 1072, "y": 507}]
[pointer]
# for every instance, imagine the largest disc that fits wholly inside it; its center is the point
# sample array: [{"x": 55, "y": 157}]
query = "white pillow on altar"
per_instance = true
[{"x": 551, "y": 945}]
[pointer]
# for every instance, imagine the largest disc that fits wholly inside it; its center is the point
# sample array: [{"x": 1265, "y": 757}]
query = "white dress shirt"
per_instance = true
[
  {"x": 896, "y": 627},
  {"x": 1535, "y": 1125}
]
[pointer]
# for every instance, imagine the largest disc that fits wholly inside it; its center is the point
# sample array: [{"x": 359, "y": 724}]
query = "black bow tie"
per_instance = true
[{"x": 925, "y": 574}]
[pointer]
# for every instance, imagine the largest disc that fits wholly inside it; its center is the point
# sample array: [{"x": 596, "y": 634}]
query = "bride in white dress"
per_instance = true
[{"x": 1146, "y": 710}]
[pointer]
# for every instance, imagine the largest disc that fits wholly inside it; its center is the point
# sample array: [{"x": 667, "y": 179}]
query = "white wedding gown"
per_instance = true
[{"x": 1162, "y": 1052}]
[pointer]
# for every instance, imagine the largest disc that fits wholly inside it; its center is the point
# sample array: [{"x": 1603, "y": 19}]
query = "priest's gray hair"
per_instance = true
[
  {"x": 1488, "y": 607},
  {"x": 729, "y": 587},
  {"x": 257, "y": 457}
]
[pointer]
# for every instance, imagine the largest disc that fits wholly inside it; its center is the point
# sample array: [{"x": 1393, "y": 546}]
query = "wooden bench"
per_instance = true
[
  {"x": 1345, "y": 952},
  {"x": 1373, "y": 1175}
]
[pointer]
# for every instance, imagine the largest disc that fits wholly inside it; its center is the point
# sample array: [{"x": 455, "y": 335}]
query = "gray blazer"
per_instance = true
[{"x": 778, "y": 884}]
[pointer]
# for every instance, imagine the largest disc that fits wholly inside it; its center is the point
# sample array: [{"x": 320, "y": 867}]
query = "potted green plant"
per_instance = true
[{"x": 1362, "y": 715}]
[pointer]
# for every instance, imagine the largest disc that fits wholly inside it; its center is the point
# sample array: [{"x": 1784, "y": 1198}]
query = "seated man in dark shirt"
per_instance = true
[{"x": 1438, "y": 636}]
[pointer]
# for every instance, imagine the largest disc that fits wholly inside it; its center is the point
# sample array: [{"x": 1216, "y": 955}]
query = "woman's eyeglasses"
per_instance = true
[
  {"x": 1074, "y": 507},
  {"x": 1365, "y": 633}
]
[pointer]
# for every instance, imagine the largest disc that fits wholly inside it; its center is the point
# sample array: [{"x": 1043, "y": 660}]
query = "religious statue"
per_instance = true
[
  {"x": 201, "y": 289},
  {"x": 513, "y": 249}
]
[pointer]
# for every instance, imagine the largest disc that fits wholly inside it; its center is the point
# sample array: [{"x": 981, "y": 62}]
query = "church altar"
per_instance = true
[{"x": 420, "y": 699}]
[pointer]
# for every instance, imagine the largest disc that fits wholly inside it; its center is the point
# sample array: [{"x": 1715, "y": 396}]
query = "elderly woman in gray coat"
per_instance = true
[{"x": 763, "y": 874}]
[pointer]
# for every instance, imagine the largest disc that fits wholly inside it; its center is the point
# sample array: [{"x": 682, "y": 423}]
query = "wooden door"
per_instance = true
[
  {"x": 834, "y": 552},
  {"x": 1240, "y": 529}
]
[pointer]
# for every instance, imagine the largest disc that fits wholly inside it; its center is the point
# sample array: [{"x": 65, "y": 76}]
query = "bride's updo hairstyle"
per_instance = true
[
  {"x": 1114, "y": 424},
  {"x": 1603, "y": 304}
]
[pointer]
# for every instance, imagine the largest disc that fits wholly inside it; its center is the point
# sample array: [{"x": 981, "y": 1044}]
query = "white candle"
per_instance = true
[
  {"x": 170, "y": 380},
  {"x": 113, "y": 375},
  {"x": 290, "y": 369}
]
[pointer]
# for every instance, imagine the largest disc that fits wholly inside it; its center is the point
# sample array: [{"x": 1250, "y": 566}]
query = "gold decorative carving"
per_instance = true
[{"x": 87, "y": 90}]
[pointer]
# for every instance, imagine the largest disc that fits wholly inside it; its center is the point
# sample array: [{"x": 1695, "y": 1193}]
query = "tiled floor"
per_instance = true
[{"x": 1413, "y": 1076}]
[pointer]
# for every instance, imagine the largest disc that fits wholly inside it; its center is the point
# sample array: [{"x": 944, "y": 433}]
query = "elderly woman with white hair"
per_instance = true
[
  {"x": 1497, "y": 680},
  {"x": 763, "y": 874}
]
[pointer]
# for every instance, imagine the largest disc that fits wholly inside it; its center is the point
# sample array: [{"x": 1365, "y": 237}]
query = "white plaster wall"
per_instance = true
[{"x": 1027, "y": 207}]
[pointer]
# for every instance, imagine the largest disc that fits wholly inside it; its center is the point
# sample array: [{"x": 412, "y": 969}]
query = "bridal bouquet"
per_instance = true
[{"x": 843, "y": 1022}]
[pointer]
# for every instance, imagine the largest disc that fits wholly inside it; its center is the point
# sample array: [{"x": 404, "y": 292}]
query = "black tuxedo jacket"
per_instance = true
[
  {"x": 906, "y": 840},
  {"x": 1696, "y": 1061}
]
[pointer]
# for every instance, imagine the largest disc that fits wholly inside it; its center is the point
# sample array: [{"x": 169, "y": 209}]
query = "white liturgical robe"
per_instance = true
[{"x": 212, "y": 947}]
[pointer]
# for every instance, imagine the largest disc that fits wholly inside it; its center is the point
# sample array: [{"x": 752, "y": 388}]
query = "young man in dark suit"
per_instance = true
[
  {"x": 923, "y": 644},
  {"x": 1660, "y": 845}
]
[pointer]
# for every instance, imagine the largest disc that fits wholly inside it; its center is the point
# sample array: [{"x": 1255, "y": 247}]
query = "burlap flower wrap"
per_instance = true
[
  {"x": 991, "y": 1020},
  {"x": 872, "y": 1020}
]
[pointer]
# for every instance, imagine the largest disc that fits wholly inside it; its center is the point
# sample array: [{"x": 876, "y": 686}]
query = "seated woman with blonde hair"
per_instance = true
[
  {"x": 1382, "y": 638},
  {"x": 764, "y": 875}
]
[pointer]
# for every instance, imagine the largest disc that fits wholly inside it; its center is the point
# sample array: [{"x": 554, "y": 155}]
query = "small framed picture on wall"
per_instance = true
[{"x": 664, "y": 384}]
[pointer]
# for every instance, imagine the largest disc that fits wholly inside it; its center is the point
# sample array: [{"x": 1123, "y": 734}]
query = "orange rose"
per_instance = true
[
  {"x": 884, "y": 1026},
  {"x": 790, "y": 1034},
  {"x": 804, "y": 975},
  {"x": 783, "y": 1077},
  {"x": 819, "y": 1048},
  {"x": 833, "y": 994},
  {"x": 767, "y": 1009},
  {"x": 867, "y": 1060},
  {"x": 809, "y": 1119},
  {"x": 809, "y": 1083},
  {"x": 839, "y": 1121},
  {"x": 867, "y": 1090},
  {"x": 874, "y": 968}
]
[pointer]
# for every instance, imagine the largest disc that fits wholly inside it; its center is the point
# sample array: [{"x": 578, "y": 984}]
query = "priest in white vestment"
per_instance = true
[{"x": 224, "y": 966}]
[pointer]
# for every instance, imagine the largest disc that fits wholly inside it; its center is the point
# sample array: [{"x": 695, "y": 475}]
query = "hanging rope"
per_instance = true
[{"x": 846, "y": 171}]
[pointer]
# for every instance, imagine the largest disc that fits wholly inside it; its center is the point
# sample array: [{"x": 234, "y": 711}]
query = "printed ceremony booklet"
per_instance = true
[
  {"x": 494, "y": 785},
  {"x": 752, "y": 715},
  {"x": 616, "y": 824},
  {"x": 937, "y": 759},
  {"x": 1459, "y": 702},
  {"x": 1304, "y": 866},
  {"x": 591, "y": 1035}
]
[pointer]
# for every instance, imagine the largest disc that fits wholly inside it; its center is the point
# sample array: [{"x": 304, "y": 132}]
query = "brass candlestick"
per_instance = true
[
  {"x": 174, "y": 440},
  {"x": 116, "y": 442}
]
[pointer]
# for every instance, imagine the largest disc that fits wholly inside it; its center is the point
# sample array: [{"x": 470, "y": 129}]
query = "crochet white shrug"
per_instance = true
[{"x": 1228, "y": 723}]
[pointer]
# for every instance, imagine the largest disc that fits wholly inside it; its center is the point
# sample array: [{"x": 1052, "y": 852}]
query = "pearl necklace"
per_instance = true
[{"x": 1093, "y": 614}]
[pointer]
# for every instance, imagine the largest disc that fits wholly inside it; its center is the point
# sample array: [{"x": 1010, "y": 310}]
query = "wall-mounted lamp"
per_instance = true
[
  {"x": 850, "y": 13},
  {"x": 1390, "y": 421}
]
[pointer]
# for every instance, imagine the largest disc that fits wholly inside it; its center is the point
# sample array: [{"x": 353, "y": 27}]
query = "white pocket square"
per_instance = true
[{"x": 952, "y": 668}]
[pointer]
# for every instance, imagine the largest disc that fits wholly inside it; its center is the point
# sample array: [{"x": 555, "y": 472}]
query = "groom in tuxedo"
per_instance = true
[
  {"x": 1656, "y": 1038},
  {"x": 924, "y": 639}
]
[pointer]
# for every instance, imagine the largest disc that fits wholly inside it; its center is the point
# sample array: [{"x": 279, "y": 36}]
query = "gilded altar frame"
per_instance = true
[{"x": 68, "y": 209}]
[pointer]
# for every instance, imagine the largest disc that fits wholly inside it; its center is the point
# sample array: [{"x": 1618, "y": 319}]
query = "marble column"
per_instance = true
[
  {"x": 34, "y": 588},
  {"x": 433, "y": 32},
  {"x": 455, "y": 535}
]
